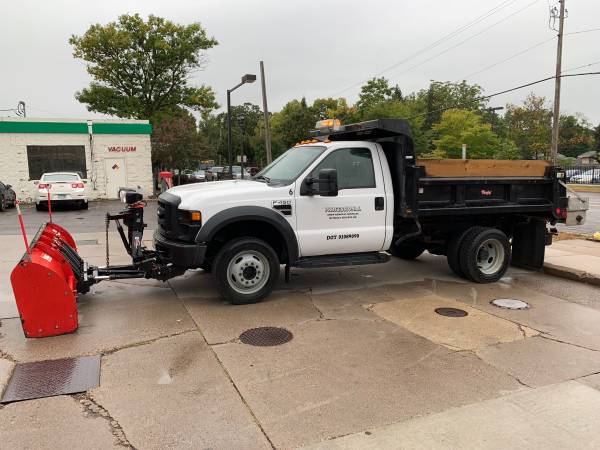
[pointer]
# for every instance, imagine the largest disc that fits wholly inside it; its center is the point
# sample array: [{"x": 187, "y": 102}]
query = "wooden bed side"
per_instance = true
[{"x": 483, "y": 167}]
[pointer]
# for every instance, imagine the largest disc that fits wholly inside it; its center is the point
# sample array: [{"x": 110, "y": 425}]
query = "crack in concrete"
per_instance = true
[
  {"x": 229, "y": 377},
  {"x": 312, "y": 300},
  {"x": 92, "y": 408},
  {"x": 513, "y": 376},
  {"x": 110, "y": 351},
  {"x": 550, "y": 338}
]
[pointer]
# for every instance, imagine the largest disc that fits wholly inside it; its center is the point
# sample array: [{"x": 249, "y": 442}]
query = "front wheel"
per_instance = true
[
  {"x": 484, "y": 255},
  {"x": 246, "y": 270}
]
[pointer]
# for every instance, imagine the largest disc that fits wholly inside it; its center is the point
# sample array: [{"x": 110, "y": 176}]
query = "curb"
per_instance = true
[{"x": 571, "y": 274}]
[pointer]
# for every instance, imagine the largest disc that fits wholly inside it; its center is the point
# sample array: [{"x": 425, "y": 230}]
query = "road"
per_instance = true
[{"x": 74, "y": 220}]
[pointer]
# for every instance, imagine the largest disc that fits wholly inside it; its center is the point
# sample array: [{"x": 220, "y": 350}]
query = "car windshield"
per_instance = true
[
  {"x": 60, "y": 177},
  {"x": 291, "y": 164}
]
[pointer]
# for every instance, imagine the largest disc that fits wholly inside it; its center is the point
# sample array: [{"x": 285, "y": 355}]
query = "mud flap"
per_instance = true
[{"x": 529, "y": 244}]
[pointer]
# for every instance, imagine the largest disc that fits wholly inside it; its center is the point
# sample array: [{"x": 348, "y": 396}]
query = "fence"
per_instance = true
[{"x": 582, "y": 173}]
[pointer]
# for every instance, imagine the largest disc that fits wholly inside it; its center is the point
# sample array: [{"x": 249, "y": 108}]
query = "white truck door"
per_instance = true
[{"x": 354, "y": 221}]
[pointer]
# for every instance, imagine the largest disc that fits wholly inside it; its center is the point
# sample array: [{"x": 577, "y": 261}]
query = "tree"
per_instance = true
[
  {"x": 292, "y": 124},
  {"x": 459, "y": 126},
  {"x": 529, "y": 127},
  {"x": 175, "y": 142},
  {"x": 441, "y": 96},
  {"x": 597, "y": 137},
  {"x": 377, "y": 90},
  {"x": 576, "y": 135},
  {"x": 142, "y": 67}
]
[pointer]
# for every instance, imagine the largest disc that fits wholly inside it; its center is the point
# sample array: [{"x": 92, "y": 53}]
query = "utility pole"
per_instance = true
[
  {"x": 556, "y": 115},
  {"x": 266, "y": 113}
]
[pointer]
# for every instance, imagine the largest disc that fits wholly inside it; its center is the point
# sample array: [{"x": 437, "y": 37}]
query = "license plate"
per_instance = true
[{"x": 61, "y": 196}]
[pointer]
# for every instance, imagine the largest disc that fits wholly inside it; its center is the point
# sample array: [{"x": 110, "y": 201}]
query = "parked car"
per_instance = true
[
  {"x": 589, "y": 176},
  {"x": 570, "y": 173},
  {"x": 237, "y": 172},
  {"x": 8, "y": 198},
  {"x": 215, "y": 173},
  {"x": 64, "y": 187},
  {"x": 198, "y": 176}
]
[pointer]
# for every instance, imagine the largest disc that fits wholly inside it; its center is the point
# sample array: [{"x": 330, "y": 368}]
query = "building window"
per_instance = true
[{"x": 56, "y": 158}]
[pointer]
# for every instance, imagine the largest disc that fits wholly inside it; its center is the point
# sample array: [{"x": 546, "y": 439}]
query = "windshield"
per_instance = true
[
  {"x": 60, "y": 177},
  {"x": 291, "y": 164}
]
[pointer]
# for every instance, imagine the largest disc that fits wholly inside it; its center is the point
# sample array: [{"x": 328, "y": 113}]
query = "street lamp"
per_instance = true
[{"x": 248, "y": 78}]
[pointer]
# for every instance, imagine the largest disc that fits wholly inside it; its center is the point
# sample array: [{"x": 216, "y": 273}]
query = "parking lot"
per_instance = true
[{"x": 370, "y": 364}]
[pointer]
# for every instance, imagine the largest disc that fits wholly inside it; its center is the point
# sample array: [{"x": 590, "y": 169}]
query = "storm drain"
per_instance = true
[
  {"x": 86, "y": 242},
  {"x": 55, "y": 377},
  {"x": 451, "y": 312},
  {"x": 266, "y": 336},
  {"x": 510, "y": 303}
]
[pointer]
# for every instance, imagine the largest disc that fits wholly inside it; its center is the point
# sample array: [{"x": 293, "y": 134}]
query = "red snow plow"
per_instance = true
[{"x": 51, "y": 274}]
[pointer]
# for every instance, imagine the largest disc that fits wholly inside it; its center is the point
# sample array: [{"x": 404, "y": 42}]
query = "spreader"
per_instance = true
[{"x": 51, "y": 274}]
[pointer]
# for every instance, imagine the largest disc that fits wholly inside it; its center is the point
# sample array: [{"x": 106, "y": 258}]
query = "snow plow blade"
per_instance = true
[{"x": 44, "y": 282}]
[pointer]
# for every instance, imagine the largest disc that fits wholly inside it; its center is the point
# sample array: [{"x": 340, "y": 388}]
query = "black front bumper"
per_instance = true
[{"x": 189, "y": 256}]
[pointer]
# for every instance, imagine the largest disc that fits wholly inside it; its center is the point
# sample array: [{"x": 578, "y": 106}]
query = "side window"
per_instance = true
[{"x": 354, "y": 167}]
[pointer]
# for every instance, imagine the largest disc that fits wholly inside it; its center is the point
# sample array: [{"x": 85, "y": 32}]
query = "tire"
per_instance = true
[
  {"x": 84, "y": 205},
  {"x": 3, "y": 204},
  {"x": 246, "y": 270},
  {"x": 39, "y": 207},
  {"x": 484, "y": 255},
  {"x": 452, "y": 252},
  {"x": 408, "y": 251}
]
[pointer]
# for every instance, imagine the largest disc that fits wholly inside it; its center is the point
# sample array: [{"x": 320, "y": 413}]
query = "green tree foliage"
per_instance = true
[
  {"x": 576, "y": 136},
  {"x": 376, "y": 91},
  {"x": 529, "y": 127},
  {"x": 441, "y": 96},
  {"x": 459, "y": 126},
  {"x": 142, "y": 67},
  {"x": 176, "y": 143},
  {"x": 292, "y": 124}
]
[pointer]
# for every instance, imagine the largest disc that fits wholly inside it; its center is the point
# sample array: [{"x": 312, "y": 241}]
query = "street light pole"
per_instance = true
[
  {"x": 248, "y": 78},
  {"x": 266, "y": 113}
]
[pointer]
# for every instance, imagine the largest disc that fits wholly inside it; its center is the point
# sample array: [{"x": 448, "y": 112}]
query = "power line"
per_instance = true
[
  {"x": 582, "y": 66},
  {"x": 450, "y": 35},
  {"x": 509, "y": 58},
  {"x": 582, "y": 31},
  {"x": 485, "y": 97},
  {"x": 467, "y": 39}
]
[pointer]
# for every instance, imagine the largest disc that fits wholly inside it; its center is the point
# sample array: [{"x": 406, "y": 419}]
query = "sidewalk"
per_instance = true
[{"x": 576, "y": 259}]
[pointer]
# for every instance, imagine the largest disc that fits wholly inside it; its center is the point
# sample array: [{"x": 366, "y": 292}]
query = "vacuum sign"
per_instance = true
[{"x": 120, "y": 149}]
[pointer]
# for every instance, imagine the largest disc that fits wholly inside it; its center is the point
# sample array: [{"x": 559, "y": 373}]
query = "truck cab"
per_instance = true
[{"x": 355, "y": 195}]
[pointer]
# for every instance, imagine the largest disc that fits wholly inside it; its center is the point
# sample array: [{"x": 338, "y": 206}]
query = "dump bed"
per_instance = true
[{"x": 466, "y": 187}]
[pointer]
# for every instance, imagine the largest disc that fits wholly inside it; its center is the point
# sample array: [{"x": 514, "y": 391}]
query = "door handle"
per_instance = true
[{"x": 379, "y": 203}]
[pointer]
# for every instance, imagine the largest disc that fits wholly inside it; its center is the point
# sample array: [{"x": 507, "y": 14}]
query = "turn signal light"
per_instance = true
[
  {"x": 44, "y": 186},
  {"x": 195, "y": 216},
  {"x": 77, "y": 185}
]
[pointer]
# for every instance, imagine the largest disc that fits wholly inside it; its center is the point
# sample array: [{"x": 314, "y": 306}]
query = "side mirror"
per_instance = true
[{"x": 328, "y": 184}]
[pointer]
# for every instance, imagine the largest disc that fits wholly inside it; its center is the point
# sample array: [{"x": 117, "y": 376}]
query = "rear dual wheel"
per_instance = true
[{"x": 479, "y": 254}]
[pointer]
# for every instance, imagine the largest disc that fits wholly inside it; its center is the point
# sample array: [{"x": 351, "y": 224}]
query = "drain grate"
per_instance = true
[
  {"x": 56, "y": 377},
  {"x": 266, "y": 336},
  {"x": 86, "y": 242},
  {"x": 510, "y": 303},
  {"x": 451, "y": 312}
]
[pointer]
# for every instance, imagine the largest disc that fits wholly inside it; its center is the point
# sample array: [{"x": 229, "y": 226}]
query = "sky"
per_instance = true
[{"x": 316, "y": 49}]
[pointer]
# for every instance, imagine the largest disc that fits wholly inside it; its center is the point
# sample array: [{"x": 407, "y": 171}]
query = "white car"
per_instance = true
[
  {"x": 589, "y": 176},
  {"x": 63, "y": 187}
]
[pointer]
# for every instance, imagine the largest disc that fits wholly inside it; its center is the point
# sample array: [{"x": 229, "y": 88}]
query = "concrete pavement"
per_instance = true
[
  {"x": 370, "y": 365},
  {"x": 577, "y": 259}
]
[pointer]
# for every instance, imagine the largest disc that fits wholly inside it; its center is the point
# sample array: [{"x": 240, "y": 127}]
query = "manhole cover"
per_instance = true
[
  {"x": 55, "y": 377},
  {"x": 266, "y": 336},
  {"x": 451, "y": 312},
  {"x": 87, "y": 242},
  {"x": 509, "y": 303}
]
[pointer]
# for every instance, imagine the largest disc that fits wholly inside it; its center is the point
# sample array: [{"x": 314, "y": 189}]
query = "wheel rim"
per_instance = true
[
  {"x": 490, "y": 256},
  {"x": 248, "y": 272}
]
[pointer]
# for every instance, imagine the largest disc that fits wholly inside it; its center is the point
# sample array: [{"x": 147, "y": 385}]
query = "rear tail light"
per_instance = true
[
  {"x": 562, "y": 213},
  {"x": 77, "y": 185},
  {"x": 44, "y": 186}
]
